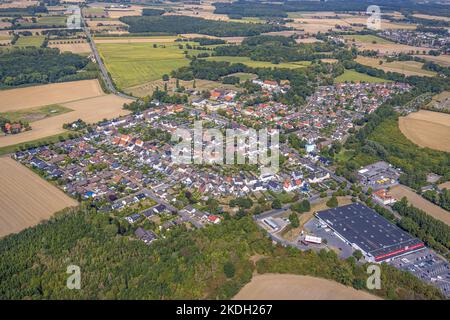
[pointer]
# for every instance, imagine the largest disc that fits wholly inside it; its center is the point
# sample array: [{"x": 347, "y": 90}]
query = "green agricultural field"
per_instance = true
[
  {"x": 243, "y": 76},
  {"x": 351, "y": 75},
  {"x": 367, "y": 38},
  {"x": 131, "y": 64},
  {"x": 261, "y": 64},
  {"x": 28, "y": 41},
  {"x": 59, "y": 21},
  {"x": 34, "y": 114}
]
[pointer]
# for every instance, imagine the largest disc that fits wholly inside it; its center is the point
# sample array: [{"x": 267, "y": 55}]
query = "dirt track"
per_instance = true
[
  {"x": 295, "y": 287},
  {"x": 25, "y": 198}
]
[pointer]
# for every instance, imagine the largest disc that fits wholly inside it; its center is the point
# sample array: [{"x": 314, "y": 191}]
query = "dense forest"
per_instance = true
[
  {"x": 247, "y": 8},
  {"x": 381, "y": 139},
  {"x": 435, "y": 233},
  {"x": 184, "y": 24},
  {"x": 212, "y": 262},
  {"x": 277, "y": 49},
  {"x": 441, "y": 197},
  {"x": 18, "y": 66}
]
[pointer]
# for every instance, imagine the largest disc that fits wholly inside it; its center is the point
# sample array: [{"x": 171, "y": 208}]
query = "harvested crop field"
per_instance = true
[
  {"x": 25, "y": 198},
  {"x": 443, "y": 59},
  {"x": 387, "y": 48},
  {"x": 135, "y": 40},
  {"x": 427, "y": 129},
  {"x": 416, "y": 200},
  {"x": 296, "y": 287},
  {"x": 24, "y": 98},
  {"x": 408, "y": 68},
  {"x": 90, "y": 110},
  {"x": 82, "y": 47}
]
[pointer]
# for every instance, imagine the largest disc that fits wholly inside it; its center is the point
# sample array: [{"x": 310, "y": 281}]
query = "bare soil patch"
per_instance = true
[
  {"x": 25, "y": 198},
  {"x": 427, "y": 129},
  {"x": 90, "y": 110},
  {"x": 418, "y": 201},
  {"x": 296, "y": 287},
  {"x": 24, "y": 98},
  {"x": 82, "y": 47}
]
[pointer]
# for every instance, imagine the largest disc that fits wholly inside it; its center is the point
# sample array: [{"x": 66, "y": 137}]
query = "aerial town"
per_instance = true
[{"x": 202, "y": 150}]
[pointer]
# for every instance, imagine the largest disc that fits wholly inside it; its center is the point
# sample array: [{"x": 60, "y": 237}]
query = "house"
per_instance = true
[
  {"x": 159, "y": 208},
  {"x": 214, "y": 219},
  {"x": 145, "y": 235},
  {"x": 382, "y": 196},
  {"x": 133, "y": 218}
]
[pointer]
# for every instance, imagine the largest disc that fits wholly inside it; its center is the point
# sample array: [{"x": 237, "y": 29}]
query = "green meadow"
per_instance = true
[
  {"x": 131, "y": 64},
  {"x": 351, "y": 75}
]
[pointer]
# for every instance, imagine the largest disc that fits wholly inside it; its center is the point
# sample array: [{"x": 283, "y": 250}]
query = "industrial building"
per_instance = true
[{"x": 364, "y": 229}]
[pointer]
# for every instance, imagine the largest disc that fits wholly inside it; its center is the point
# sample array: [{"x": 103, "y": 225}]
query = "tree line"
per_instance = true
[
  {"x": 18, "y": 66},
  {"x": 212, "y": 262},
  {"x": 185, "y": 24}
]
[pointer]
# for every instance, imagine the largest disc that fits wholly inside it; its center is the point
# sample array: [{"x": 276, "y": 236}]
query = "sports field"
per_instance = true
[
  {"x": 25, "y": 198},
  {"x": 351, "y": 75},
  {"x": 408, "y": 68},
  {"x": 296, "y": 287},
  {"x": 261, "y": 64}
]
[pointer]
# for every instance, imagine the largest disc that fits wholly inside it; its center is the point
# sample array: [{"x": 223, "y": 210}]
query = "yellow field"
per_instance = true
[
  {"x": 408, "y": 68},
  {"x": 443, "y": 60},
  {"x": 82, "y": 47},
  {"x": 136, "y": 40},
  {"x": 296, "y": 287},
  {"x": 90, "y": 110},
  {"x": 24, "y": 98},
  {"x": 427, "y": 129},
  {"x": 25, "y": 198},
  {"x": 416, "y": 200},
  {"x": 429, "y": 17}
]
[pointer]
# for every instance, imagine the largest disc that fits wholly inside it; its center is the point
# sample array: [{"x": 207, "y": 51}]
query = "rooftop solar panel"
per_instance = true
[{"x": 364, "y": 227}]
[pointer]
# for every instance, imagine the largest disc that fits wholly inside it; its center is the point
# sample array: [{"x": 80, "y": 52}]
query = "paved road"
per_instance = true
[
  {"x": 105, "y": 75},
  {"x": 181, "y": 213}
]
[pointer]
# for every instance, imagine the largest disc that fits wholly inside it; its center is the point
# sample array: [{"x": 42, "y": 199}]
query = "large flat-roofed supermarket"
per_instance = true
[{"x": 364, "y": 229}]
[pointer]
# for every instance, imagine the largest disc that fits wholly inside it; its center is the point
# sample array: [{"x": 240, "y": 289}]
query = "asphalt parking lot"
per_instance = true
[
  {"x": 314, "y": 227},
  {"x": 428, "y": 266}
]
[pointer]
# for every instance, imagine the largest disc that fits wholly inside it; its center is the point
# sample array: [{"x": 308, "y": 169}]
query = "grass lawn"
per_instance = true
[
  {"x": 34, "y": 114},
  {"x": 367, "y": 38},
  {"x": 47, "y": 140},
  {"x": 29, "y": 41},
  {"x": 261, "y": 64},
  {"x": 243, "y": 76},
  {"x": 131, "y": 64},
  {"x": 408, "y": 68},
  {"x": 351, "y": 75}
]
